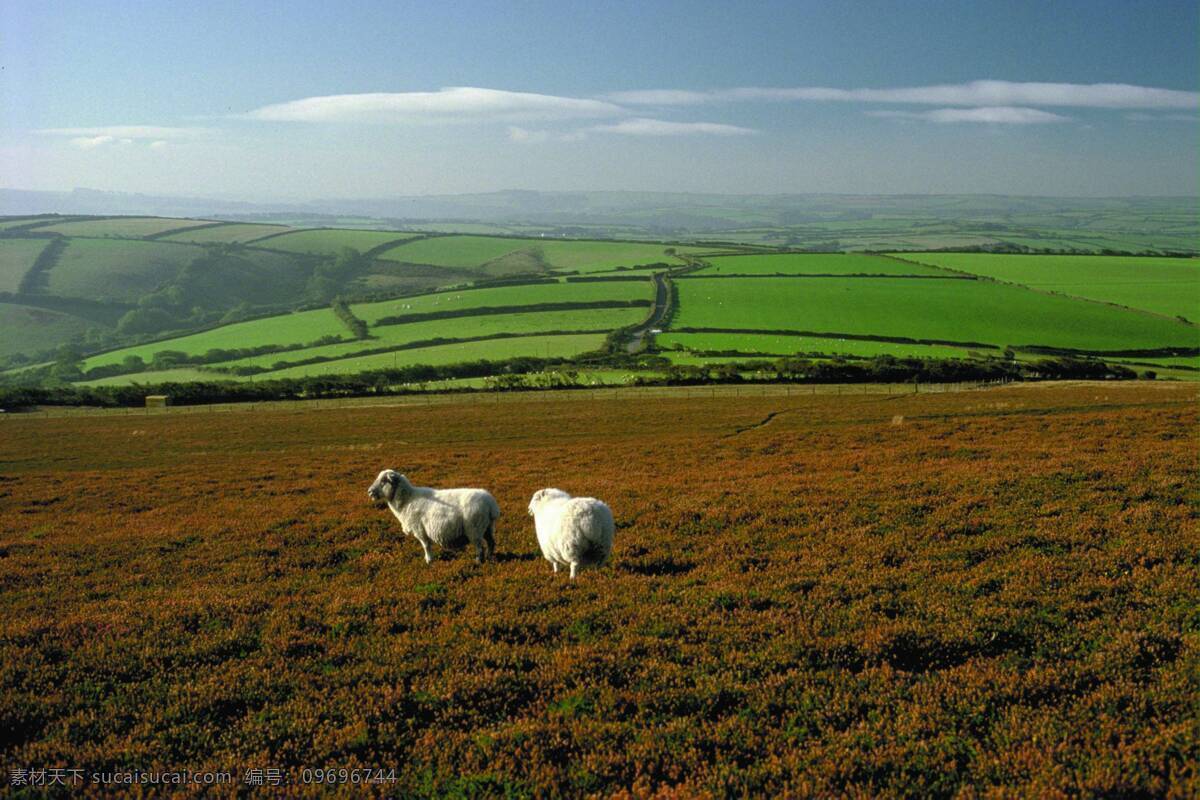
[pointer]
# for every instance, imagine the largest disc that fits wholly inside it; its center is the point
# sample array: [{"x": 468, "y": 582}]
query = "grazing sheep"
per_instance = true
[
  {"x": 447, "y": 517},
  {"x": 480, "y": 512},
  {"x": 572, "y": 531}
]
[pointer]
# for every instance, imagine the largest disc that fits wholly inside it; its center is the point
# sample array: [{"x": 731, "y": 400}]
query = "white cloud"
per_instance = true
[
  {"x": 91, "y": 142},
  {"x": 1001, "y": 115},
  {"x": 641, "y": 126},
  {"x": 155, "y": 137},
  {"x": 526, "y": 136},
  {"x": 136, "y": 132},
  {"x": 449, "y": 104},
  {"x": 661, "y": 97},
  {"x": 988, "y": 93}
]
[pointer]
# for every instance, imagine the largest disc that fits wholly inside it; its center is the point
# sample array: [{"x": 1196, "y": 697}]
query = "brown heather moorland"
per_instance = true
[{"x": 987, "y": 593}]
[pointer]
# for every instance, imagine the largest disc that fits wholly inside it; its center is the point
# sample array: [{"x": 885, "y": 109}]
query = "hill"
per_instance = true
[
  {"x": 153, "y": 299},
  {"x": 989, "y": 592}
]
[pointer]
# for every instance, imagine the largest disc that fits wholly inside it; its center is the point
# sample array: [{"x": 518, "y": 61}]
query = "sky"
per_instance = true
[{"x": 314, "y": 100}]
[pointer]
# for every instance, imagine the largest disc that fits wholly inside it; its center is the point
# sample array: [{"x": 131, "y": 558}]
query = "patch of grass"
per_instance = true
[
  {"x": 233, "y": 232},
  {"x": 120, "y": 227},
  {"x": 473, "y": 252},
  {"x": 1169, "y": 286},
  {"x": 329, "y": 241},
  {"x": 298, "y": 328},
  {"x": 492, "y": 350},
  {"x": 501, "y": 296},
  {"x": 113, "y": 269},
  {"x": 950, "y": 310},
  {"x": 812, "y": 263},
  {"x": 28, "y": 329},
  {"x": 16, "y": 257}
]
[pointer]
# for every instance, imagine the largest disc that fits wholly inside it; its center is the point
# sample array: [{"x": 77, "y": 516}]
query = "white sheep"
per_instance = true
[
  {"x": 572, "y": 531},
  {"x": 446, "y": 517}
]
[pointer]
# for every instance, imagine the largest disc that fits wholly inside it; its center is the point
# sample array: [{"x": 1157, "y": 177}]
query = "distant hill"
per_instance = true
[{"x": 809, "y": 221}]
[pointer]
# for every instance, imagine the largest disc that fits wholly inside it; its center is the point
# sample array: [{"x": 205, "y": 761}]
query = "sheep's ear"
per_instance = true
[{"x": 399, "y": 486}]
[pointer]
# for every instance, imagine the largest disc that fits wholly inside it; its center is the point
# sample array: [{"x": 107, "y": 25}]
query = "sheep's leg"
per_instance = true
[
  {"x": 425, "y": 546},
  {"x": 479, "y": 552},
  {"x": 555, "y": 565},
  {"x": 489, "y": 536},
  {"x": 573, "y": 566}
]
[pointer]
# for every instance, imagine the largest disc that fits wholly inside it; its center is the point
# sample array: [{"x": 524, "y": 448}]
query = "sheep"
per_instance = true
[
  {"x": 572, "y": 531},
  {"x": 447, "y": 517}
]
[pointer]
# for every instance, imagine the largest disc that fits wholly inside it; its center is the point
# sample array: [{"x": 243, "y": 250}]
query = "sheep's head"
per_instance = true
[
  {"x": 386, "y": 486},
  {"x": 543, "y": 496}
]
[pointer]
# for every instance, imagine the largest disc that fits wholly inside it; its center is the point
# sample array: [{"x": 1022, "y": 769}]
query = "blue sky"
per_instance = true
[{"x": 305, "y": 100}]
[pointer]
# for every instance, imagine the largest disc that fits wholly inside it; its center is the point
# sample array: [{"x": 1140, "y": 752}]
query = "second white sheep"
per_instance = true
[{"x": 573, "y": 532}]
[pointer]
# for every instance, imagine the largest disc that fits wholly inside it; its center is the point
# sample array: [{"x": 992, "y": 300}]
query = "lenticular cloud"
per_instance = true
[{"x": 460, "y": 102}]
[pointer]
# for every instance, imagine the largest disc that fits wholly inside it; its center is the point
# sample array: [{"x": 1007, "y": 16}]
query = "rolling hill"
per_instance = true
[{"x": 149, "y": 298}]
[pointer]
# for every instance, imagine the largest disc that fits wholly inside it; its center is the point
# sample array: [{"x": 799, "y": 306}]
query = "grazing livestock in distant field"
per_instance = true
[
  {"x": 573, "y": 532},
  {"x": 446, "y": 517}
]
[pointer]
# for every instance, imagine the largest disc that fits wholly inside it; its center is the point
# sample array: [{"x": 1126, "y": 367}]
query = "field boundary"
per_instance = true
[{"x": 476, "y": 397}]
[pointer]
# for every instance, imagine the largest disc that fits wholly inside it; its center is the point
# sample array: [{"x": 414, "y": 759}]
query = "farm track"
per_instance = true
[{"x": 662, "y": 305}]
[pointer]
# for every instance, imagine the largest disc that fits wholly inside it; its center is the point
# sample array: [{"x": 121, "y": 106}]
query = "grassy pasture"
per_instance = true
[
  {"x": 491, "y": 350},
  {"x": 238, "y": 232},
  {"x": 28, "y": 329},
  {"x": 150, "y": 377},
  {"x": 988, "y": 592},
  {"x": 788, "y": 345},
  {"x": 950, "y": 310},
  {"x": 299, "y": 328},
  {"x": 523, "y": 323},
  {"x": 472, "y": 252},
  {"x": 812, "y": 263},
  {"x": 16, "y": 222},
  {"x": 501, "y": 296},
  {"x": 16, "y": 257},
  {"x": 330, "y": 241},
  {"x": 120, "y": 227},
  {"x": 1168, "y": 286},
  {"x": 115, "y": 269}
]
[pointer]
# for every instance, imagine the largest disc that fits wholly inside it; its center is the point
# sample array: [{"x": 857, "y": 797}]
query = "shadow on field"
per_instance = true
[
  {"x": 658, "y": 567},
  {"x": 504, "y": 558}
]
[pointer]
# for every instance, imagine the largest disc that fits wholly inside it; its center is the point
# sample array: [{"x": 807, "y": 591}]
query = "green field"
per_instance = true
[
  {"x": 116, "y": 269},
  {"x": 16, "y": 257},
  {"x": 491, "y": 350},
  {"x": 810, "y": 264},
  {"x": 328, "y": 241},
  {"x": 30, "y": 330},
  {"x": 149, "y": 377},
  {"x": 502, "y": 296},
  {"x": 774, "y": 345},
  {"x": 232, "y": 233},
  {"x": 474, "y": 252},
  {"x": 1021, "y": 301},
  {"x": 524, "y": 323},
  {"x": 17, "y": 222},
  {"x": 949, "y": 310},
  {"x": 121, "y": 227},
  {"x": 1168, "y": 286},
  {"x": 288, "y": 329}
]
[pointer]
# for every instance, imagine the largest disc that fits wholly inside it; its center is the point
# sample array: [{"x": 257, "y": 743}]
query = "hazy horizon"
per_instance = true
[{"x": 1077, "y": 100}]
